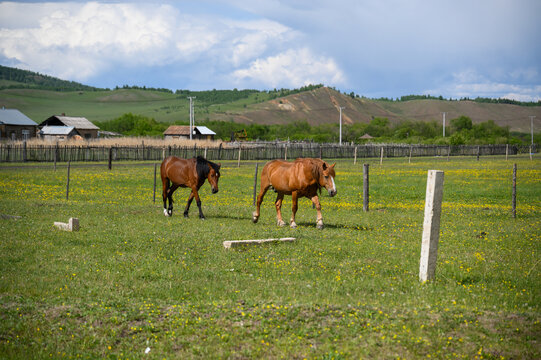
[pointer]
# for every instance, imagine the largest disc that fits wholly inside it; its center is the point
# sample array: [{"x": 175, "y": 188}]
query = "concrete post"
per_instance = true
[{"x": 431, "y": 225}]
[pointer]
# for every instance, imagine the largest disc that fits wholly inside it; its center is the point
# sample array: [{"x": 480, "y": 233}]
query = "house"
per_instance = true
[
  {"x": 14, "y": 125},
  {"x": 55, "y": 133},
  {"x": 84, "y": 127},
  {"x": 183, "y": 132}
]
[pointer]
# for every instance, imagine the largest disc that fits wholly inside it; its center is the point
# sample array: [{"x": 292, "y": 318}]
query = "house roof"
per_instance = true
[
  {"x": 57, "y": 130},
  {"x": 15, "y": 117},
  {"x": 367, "y": 136},
  {"x": 203, "y": 130},
  {"x": 177, "y": 130},
  {"x": 185, "y": 130},
  {"x": 77, "y": 122}
]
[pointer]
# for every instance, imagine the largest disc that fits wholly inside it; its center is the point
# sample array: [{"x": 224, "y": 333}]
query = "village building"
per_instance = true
[
  {"x": 85, "y": 128},
  {"x": 14, "y": 125},
  {"x": 183, "y": 132},
  {"x": 59, "y": 133}
]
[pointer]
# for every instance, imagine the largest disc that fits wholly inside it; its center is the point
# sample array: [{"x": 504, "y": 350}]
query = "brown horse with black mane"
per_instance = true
[
  {"x": 190, "y": 173},
  {"x": 301, "y": 178}
]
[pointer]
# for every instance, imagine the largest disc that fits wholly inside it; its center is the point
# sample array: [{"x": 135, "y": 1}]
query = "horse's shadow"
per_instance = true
[
  {"x": 300, "y": 223},
  {"x": 335, "y": 226}
]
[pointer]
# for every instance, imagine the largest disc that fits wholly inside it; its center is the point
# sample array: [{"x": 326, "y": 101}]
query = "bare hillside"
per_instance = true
[{"x": 322, "y": 105}]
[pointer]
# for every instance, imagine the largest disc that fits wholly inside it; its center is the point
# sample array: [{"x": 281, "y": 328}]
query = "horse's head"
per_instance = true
[
  {"x": 213, "y": 176},
  {"x": 326, "y": 178}
]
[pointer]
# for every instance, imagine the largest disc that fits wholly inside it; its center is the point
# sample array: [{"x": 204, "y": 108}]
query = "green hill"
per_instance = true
[{"x": 40, "y": 96}]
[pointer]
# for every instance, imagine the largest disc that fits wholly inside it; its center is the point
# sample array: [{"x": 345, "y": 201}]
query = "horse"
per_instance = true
[
  {"x": 301, "y": 178},
  {"x": 190, "y": 173}
]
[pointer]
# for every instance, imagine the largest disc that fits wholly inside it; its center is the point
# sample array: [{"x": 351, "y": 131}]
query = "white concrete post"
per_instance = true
[{"x": 431, "y": 225}]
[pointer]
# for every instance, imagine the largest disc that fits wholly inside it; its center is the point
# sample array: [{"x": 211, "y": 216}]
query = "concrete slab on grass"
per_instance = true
[{"x": 236, "y": 243}]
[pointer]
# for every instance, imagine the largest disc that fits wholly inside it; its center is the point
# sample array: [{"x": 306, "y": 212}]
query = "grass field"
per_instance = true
[
  {"x": 134, "y": 284},
  {"x": 108, "y": 105}
]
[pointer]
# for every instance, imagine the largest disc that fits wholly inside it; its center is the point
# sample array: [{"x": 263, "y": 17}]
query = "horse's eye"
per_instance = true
[{"x": 326, "y": 177}]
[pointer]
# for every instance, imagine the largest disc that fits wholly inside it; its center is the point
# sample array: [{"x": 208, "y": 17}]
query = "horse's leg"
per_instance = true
[
  {"x": 165, "y": 189},
  {"x": 264, "y": 187},
  {"x": 190, "y": 199},
  {"x": 170, "y": 197},
  {"x": 198, "y": 202},
  {"x": 294, "y": 207},
  {"x": 319, "y": 223},
  {"x": 278, "y": 205}
]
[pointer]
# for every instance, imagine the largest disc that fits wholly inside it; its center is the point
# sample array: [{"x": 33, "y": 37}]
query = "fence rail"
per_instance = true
[{"x": 248, "y": 151}]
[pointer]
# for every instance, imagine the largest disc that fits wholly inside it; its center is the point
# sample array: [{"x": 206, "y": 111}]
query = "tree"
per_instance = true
[{"x": 461, "y": 123}]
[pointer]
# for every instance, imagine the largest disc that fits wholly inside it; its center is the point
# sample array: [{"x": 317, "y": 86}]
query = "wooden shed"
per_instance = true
[
  {"x": 183, "y": 132},
  {"x": 84, "y": 127},
  {"x": 55, "y": 133},
  {"x": 14, "y": 125}
]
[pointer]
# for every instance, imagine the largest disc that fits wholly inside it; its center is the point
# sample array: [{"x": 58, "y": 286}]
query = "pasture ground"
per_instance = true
[{"x": 133, "y": 284}]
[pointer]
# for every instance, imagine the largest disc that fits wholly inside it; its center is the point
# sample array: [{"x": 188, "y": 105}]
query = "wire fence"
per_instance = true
[{"x": 21, "y": 152}]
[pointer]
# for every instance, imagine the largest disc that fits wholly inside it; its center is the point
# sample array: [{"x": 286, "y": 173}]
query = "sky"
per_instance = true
[{"x": 374, "y": 48}]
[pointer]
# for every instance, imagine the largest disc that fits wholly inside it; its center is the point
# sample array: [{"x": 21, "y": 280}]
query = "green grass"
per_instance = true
[
  {"x": 107, "y": 105},
  {"x": 132, "y": 279}
]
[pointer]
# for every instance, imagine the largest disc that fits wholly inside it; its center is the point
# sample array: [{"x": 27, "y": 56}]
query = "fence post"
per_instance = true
[
  {"x": 285, "y": 153},
  {"x": 411, "y": 149},
  {"x": 255, "y": 183},
  {"x": 365, "y": 187},
  {"x": 68, "y": 182},
  {"x": 25, "y": 159},
  {"x": 205, "y": 153},
  {"x": 355, "y": 156},
  {"x": 514, "y": 194},
  {"x": 110, "y": 157},
  {"x": 506, "y": 151},
  {"x": 220, "y": 152},
  {"x": 154, "y": 199},
  {"x": 431, "y": 225},
  {"x": 238, "y": 163},
  {"x": 381, "y": 157},
  {"x": 477, "y": 153}
]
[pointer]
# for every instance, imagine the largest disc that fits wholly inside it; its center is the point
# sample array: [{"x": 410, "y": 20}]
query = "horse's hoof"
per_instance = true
[
  {"x": 293, "y": 225},
  {"x": 202, "y": 218},
  {"x": 165, "y": 212},
  {"x": 319, "y": 225},
  {"x": 185, "y": 215},
  {"x": 281, "y": 223},
  {"x": 255, "y": 217}
]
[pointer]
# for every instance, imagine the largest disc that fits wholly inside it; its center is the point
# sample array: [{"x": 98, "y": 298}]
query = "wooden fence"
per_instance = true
[{"x": 248, "y": 151}]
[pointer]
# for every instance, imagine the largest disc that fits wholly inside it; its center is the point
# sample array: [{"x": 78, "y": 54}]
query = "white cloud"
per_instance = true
[
  {"x": 78, "y": 42},
  {"x": 292, "y": 68},
  {"x": 82, "y": 40}
]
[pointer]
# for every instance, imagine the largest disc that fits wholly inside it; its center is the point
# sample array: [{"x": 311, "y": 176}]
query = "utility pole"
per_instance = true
[
  {"x": 191, "y": 116},
  {"x": 531, "y": 126},
  {"x": 443, "y": 124},
  {"x": 341, "y": 107}
]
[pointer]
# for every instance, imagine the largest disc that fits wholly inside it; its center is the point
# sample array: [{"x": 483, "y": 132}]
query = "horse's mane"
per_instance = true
[
  {"x": 202, "y": 166},
  {"x": 317, "y": 169}
]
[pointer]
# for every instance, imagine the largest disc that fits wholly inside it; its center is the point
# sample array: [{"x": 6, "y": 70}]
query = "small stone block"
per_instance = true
[
  {"x": 72, "y": 225},
  {"x": 235, "y": 243}
]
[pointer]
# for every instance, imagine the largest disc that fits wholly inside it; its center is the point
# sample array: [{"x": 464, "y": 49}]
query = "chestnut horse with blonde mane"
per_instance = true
[
  {"x": 301, "y": 178},
  {"x": 190, "y": 173}
]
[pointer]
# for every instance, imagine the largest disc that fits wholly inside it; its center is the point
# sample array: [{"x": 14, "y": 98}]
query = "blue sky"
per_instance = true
[{"x": 375, "y": 48}]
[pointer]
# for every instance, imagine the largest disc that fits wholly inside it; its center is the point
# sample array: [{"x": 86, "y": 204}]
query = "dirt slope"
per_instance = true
[{"x": 322, "y": 106}]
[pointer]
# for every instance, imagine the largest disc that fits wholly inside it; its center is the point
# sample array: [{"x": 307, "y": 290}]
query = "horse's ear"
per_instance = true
[
  {"x": 324, "y": 166},
  {"x": 219, "y": 165},
  {"x": 332, "y": 166}
]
